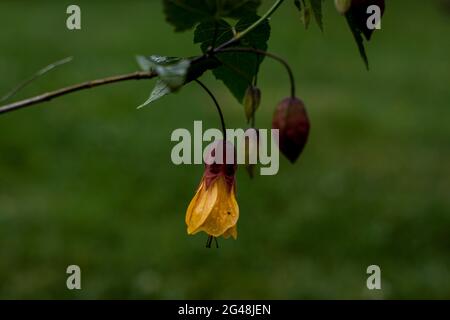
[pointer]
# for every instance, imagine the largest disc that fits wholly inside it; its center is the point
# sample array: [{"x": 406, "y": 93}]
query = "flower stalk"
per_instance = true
[{"x": 216, "y": 103}]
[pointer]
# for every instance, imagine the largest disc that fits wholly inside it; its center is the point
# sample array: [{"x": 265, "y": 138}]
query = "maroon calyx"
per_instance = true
[
  {"x": 291, "y": 119},
  {"x": 220, "y": 161}
]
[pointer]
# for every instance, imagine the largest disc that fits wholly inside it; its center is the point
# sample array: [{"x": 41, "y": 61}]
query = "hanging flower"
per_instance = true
[{"x": 214, "y": 208}]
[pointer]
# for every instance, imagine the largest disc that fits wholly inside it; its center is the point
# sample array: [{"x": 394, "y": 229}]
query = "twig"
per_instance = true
[
  {"x": 34, "y": 77},
  {"x": 85, "y": 85},
  {"x": 148, "y": 75}
]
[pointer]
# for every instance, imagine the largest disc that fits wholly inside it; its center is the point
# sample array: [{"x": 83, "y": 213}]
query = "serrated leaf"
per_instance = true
[
  {"x": 258, "y": 37},
  {"x": 185, "y": 14},
  {"x": 210, "y": 33},
  {"x": 357, "y": 34},
  {"x": 239, "y": 68},
  {"x": 160, "y": 90}
]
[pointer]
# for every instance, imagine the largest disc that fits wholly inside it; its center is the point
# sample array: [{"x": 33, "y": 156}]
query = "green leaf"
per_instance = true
[
  {"x": 357, "y": 34},
  {"x": 210, "y": 33},
  {"x": 170, "y": 70},
  {"x": 160, "y": 90},
  {"x": 316, "y": 6},
  {"x": 306, "y": 16},
  {"x": 306, "y": 7},
  {"x": 258, "y": 37},
  {"x": 185, "y": 14},
  {"x": 172, "y": 73},
  {"x": 239, "y": 69}
]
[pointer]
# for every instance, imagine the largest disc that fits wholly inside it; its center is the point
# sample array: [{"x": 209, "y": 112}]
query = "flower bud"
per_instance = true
[
  {"x": 291, "y": 120},
  {"x": 251, "y": 150},
  {"x": 342, "y": 6},
  {"x": 252, "y": 99}
]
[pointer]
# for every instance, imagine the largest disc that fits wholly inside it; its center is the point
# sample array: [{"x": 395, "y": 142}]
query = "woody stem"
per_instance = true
[{"x": 85, "y": 85}]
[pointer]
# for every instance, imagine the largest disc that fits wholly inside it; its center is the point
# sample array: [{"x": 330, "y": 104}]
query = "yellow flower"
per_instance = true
[{"x": 214, "y": 208}]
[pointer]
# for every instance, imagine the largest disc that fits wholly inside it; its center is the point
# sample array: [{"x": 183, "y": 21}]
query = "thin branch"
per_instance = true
[
  {"x": 38, "y": 74},
  {"x": 139, "y": 75},
  {"x": 219, "y": 110},
  {"x": 85, "y": 85},
  {"x": 268, "y": 54}
]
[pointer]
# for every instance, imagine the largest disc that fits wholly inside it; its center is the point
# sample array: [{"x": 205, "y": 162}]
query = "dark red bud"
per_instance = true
[
  {"x": 291, "y": 120},
  {"x": 358, "y": 13}
]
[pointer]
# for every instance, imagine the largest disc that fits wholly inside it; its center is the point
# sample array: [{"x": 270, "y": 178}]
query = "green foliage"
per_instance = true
[
  {"x": 238, "y": 69},
  {"x": 211, "y": 33},
  {"x": 160, "y": 90},
  {"x": 214, "y": 26},
  {"x": 171, "y": 71},
  {"x": 308, "y": 8},
  {"x": 185, "y": 14},
  {"x": 316, "y": 6}
]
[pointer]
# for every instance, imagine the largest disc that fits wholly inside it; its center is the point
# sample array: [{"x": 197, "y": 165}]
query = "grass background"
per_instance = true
[{"x": 87, "y": 179}]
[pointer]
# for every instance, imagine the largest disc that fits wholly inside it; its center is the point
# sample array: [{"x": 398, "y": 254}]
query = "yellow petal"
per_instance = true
[
  {"x": 193, "y": 203},
  {"x": 225, "y": 212},
  {"x": 231, "y": 232},
  {"x": 200, "y": 207}
]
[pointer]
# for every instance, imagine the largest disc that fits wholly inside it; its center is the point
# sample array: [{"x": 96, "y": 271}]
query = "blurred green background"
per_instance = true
[{"x": 87, "y": 179}]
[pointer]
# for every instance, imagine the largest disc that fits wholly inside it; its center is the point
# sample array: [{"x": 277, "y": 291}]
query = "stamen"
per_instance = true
[{"x": 209, "y": 241}]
